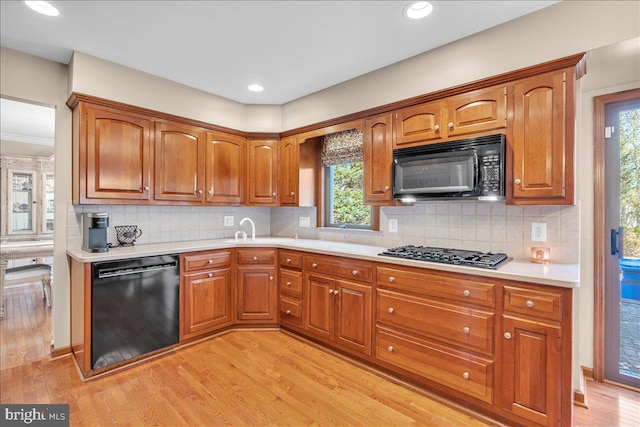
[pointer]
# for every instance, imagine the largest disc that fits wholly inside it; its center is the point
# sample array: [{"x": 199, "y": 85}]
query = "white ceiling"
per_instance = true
[{"x": 292, "y": 48}]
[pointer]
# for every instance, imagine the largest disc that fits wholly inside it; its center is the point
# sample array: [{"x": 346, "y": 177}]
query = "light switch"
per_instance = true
[
  {"x": 228, "y": 221},
  {"x": 393, "y": 225},
  {"x": 305, "y": 221}
]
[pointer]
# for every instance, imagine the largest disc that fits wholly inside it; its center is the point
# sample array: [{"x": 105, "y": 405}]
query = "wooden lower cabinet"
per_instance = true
[
  {"x": 531, "y": 370},
  {"x": 206, "y": 292},
  {"x": 458, "y": 370},
  {"x": 256, "y": 286},
  {"x": 339, "y": 311}
]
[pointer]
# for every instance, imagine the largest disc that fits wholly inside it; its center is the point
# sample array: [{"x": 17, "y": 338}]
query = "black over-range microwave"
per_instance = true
[{"x": 471, "y": 169}]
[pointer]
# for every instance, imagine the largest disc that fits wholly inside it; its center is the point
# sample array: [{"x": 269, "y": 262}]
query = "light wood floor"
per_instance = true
[
  {"x": 242, "y": 378},
  {"x": 25, "y": 328},
  {"x": 247, "y": 378}
]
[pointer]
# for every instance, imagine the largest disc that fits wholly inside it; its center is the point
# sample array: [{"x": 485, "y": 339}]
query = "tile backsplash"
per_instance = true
[
  {"x": 170, "y": 223},
  {"x": 479, "y": 226}
]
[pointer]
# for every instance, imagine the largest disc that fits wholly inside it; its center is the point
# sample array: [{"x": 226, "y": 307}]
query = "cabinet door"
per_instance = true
[
  {"x": 262, "y": 173},
  {"x": 378, "y": 159},
  {"x": 257, "y": 299},
  {"x": 117, "y": 160},
  {"x": 477, "y": 111},
  {"x": 419, "y": 124},
  {"x": 320, "y": 306},
  {"x": 542, "y": 141},
  {"x": 179, "y": 160},
  {"x": 224, "y": 164},
  {"x": 207, "y": 302},
  {"x": 353, "y": 316},
  {"x": 531, "y": 370},
  {"x": 289, "y": 171}
]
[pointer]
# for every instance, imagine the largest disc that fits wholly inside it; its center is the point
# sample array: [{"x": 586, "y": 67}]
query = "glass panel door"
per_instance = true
[
  {"x": 22, "y": 203},
  {"x": 48, "y": 203},
  {"x": 622, "y": 220}
]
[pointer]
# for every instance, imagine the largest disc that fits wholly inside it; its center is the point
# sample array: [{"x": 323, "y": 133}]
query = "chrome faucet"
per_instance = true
[{"x": 253, "y": 227}]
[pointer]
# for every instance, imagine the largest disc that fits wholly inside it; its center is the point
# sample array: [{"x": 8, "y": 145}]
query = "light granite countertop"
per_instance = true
[{"x": 561, "y": 275}]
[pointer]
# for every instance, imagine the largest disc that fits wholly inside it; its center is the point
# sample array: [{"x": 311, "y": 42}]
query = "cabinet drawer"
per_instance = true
[
  {"x": 206, "y": 260},
  {"x": 291, "y": 310},
  {"x": 291, "y": 282},
  {"x": 339, "y": 267},
  {"x": 456, "y": 287},
  {"x": 290, "y": 259},
  {"x": 460, "y": 326},
  {"x": 458, "y": 370},
  {"x": 546, "y": 304},
  {"x": 256, "y": 256}
]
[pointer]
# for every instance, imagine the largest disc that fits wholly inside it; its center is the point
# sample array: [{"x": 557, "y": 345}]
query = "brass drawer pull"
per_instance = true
[
  {"x": 354, "y": 272},
  {"x": 314, "y": 265},
  {"x": 392, "y": 279},
  {"x": 466, "y": 329},
  {"x": 390, "y": 348},
  {"x": 467, "y": 292},
  {"x": 288, "y": 283},
  {"x": 390, "y": 310},
  {"x": 288, "y": 312},
  {"x": 288, "y": 260},
  {"x": 529, "y": 303},
  {"x": 465, "y": 375}
]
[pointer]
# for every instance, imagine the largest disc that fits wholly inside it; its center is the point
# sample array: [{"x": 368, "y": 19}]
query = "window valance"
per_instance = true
[{"x": 342, "y": 147}]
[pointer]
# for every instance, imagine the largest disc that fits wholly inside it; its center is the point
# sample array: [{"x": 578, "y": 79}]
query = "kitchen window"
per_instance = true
[{"x": 344, "y": 185}]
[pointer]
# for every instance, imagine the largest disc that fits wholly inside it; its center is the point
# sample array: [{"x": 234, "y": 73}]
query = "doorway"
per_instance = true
[
  {"x": 617, "y": 203},
  {"x": 27, "y": 200}
]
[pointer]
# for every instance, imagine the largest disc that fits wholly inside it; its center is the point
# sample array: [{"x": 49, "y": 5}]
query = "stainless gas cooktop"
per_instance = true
[{"x": 448, "y": 256}]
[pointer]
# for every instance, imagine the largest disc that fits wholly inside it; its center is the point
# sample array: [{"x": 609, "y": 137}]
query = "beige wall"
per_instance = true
[
  {"x": 25, "y": 77},
  {"x": 97, "y": 77},
  {"x": 564, "y": 29}
]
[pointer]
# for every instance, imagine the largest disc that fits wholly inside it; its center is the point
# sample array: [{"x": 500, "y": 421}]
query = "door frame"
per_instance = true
[{"x": 599, "y": 238}]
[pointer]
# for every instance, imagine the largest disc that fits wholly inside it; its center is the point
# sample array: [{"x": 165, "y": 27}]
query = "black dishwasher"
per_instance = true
[{"x": 134, "y": 307}]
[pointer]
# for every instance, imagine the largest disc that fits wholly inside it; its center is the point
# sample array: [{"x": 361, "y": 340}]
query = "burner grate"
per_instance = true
[{"x": 448, "y": 256}]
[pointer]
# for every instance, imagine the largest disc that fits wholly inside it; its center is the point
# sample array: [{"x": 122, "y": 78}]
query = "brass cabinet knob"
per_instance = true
[
  {"x": 467, "y": 292},
  {"x": 392, "y": 279},
  {"x": 386, "y": 188},
  {"x": 255, "y": 258},
  {"x": 335, "y": 292},
  {"x": 288, "y": 283},
  {"x": 288, "y": 312},
  {"x": 466, "y": 329},
  {"x": 293, "y": 193},
  {"x": 390, "y": 348},
  {"x": 507, "y": 335},
  {"x": 331, "y": 291},
  {"x": 354, "y": 272},
  {"x": 450, "y": 125},
  {"x": 529, "y": 303},
  {"x": 210, "y": 274},
  {"x": 436, "y": 128},
  {"x": 210, "y": 261},
  {"x": 199, "y": 191},
  {"x": 314, "y": 265},
  {"x": 465, "y": 375},
  {"x": 270, "y": 277},
  {"x": 147, "y": 188},
  {"x": 390, "y": 309},
  {"x": 517, "y": 181},
  {"x": 288, "y": 260}
]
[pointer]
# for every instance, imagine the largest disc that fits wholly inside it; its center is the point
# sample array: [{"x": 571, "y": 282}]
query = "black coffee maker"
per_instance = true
[{"x": 94, "y": 232}]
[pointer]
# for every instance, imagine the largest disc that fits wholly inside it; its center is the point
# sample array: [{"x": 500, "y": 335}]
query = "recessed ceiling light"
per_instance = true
[
  {"x": 418, "y": 10},
  {"x": 43, "y": 7},
  {"x": 255, "y": 88}
]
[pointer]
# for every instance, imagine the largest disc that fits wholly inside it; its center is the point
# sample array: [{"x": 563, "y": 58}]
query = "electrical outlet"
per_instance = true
[
  {"x": 305, "y": 221},
  {"x": 539, "y": 232},
  {"x": 228, "y": 221},
  {"x": 393, "y": 225}
]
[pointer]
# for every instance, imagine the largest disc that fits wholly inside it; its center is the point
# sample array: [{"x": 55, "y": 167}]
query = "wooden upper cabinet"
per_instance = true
[
  {"x": 224, "y": 168},
  {"x": 289, "y": 169},
  {"x": 115, "y": 155},
  {"x": 378, "y": 158},
  {"x": 541, "y": 141},
  {"x": 179, "y": 162},
  {"x": 262, "y": 172},
  {"x": 419, "y": 124},
  {"x": 477, "y": 111}
]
